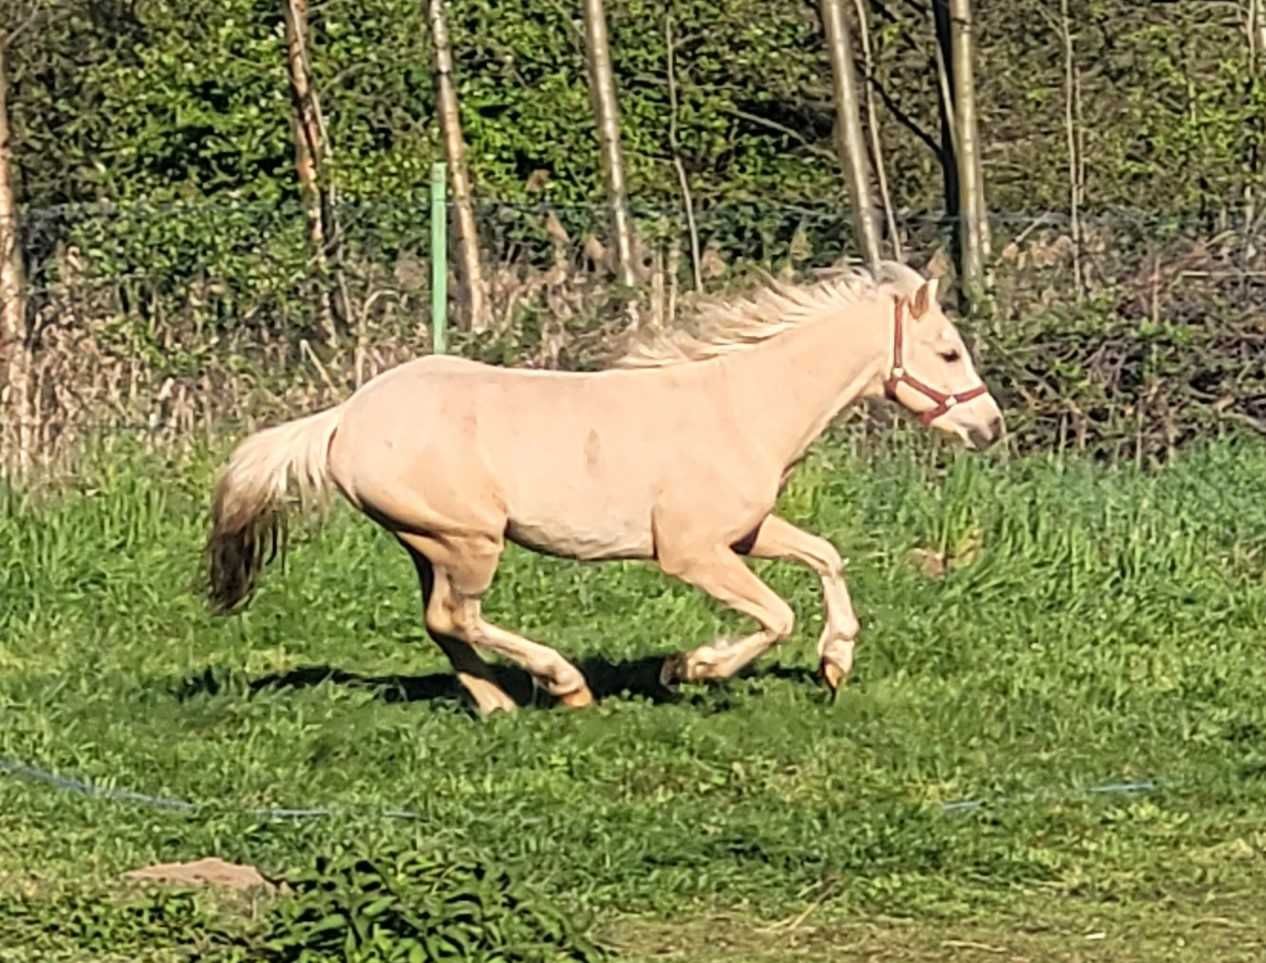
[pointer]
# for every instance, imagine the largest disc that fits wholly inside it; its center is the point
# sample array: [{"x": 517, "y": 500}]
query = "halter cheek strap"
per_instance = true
[{"x": 941, "y": 401}]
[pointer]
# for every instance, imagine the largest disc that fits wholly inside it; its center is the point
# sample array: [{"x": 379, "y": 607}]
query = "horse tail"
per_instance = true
[{"x": 248, "y": 506}]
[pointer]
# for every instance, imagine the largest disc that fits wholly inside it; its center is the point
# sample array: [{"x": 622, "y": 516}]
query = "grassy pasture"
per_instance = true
[{"x": 1100, "y": 625}]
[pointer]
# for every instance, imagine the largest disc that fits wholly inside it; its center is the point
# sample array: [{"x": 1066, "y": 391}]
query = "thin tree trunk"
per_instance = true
[
  {"x": 15, "y": 346},
  {"x": 848, "y": 127},
  {"x": 607, "y": 118},
  {"x": 948, "y": 137},
  {"x": 1257, "y": 66},
  {"x": 682, "y": 179},
  {"x": 467, "y": 233},
  {"x": 318, "y": 203},
  {"x": 876, "y": 146},
  {"x": 970, "y": 179},
  {"x": 1071, "y": 132}
]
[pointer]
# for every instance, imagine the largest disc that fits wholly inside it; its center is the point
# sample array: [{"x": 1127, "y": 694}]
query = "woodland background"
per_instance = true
[{"x": 171, "y": 289}]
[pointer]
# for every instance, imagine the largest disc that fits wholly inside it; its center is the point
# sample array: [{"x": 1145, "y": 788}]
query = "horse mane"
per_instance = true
[{"x": 718, "y": 325}]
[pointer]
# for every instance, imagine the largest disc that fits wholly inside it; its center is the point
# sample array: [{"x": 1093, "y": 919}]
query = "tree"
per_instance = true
[
  {"x": 954, "y": 27},
  {"x": 1256, "y": 28},
  {"x": 467, "y": 233},
  {"x": 15, "y": 343},
  {"x": 311, "y": 145},
  {"x": 848, "y": 127},
  {"x": 607, "y": 118}
]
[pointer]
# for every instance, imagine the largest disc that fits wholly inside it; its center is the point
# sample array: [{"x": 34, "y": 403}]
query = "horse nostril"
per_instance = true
[{"x": 982, "y": 438}]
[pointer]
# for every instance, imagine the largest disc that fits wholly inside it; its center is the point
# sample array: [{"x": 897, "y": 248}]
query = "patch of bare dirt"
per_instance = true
[{"x": 210, "y": 871}]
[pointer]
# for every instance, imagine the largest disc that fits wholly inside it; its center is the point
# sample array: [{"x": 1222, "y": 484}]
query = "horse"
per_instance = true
[{"x": 674, "y": 454}]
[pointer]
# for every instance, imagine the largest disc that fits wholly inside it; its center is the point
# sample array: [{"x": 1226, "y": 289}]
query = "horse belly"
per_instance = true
[{"x": 581, "y": 536}]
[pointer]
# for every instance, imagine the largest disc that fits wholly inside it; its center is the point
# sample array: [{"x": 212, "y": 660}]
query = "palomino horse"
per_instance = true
[{"x": 677, "y": 456}]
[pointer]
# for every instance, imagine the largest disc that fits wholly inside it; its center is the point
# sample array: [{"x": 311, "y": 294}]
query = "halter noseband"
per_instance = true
[{"x": 941, "y": 401}]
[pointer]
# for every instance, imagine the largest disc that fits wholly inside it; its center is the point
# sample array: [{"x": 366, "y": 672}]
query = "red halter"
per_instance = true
[{"x": 941, "y": 401}]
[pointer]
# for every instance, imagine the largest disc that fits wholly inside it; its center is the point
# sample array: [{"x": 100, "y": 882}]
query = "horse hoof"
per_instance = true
[
  {"x": 833, "y": 676},
  {"x": 673, "y": 670},
  {"x": 495, "y": 708},
  {"x": 577, "y": 700}
]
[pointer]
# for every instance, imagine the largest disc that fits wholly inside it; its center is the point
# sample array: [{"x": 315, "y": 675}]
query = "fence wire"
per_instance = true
[{"x": 173, "y": 319}]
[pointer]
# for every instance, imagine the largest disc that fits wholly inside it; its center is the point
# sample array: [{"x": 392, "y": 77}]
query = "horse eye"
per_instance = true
[{"x": 950, "y": 356}]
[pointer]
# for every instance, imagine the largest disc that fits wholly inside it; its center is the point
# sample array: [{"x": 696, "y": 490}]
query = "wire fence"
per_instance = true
[
  {"x": 1122, "y": 332},
  {"x": 91, "y": 790}
]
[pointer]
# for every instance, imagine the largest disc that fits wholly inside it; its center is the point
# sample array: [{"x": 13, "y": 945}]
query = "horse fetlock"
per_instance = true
[
  {"x": 565, "y": 682},
  {"x": 837, "y": 647},
  {"x": 845, "y": 628},
  {"x": 693, "y": 666}
]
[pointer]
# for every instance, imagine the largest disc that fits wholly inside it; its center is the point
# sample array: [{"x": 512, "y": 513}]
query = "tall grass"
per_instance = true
[{"x": 1101, "y": 624}]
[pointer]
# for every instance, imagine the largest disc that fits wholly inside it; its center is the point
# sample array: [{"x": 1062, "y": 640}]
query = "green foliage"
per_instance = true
[
  {"x": 413, "y": 906},
  {"x": 156, "y": 102},
  {"x": 177, "y": 119},
  {"x": 80, "y": 921},
  {"x": 401, "y": 904}
]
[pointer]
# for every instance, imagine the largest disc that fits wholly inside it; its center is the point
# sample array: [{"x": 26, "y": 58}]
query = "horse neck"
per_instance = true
[{"x": 794, "y": 384}]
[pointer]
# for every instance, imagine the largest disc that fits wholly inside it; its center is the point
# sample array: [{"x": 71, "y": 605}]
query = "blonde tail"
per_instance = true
[{"x": 248, "y": 507}]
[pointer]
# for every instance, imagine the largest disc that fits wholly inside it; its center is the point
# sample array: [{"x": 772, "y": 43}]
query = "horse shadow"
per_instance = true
[{"x": 628, "y": 680}]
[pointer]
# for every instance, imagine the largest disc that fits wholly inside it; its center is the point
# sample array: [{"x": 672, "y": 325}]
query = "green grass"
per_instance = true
[{"x": 1110, "y": 628}]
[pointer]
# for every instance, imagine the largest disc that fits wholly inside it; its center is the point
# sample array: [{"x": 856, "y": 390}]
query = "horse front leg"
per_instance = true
[{"x": 779, "y": 539}]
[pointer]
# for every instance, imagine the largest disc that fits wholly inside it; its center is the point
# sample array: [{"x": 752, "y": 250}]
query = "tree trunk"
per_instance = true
[
  {"x": 15, "y": 345},
  {"x": 848, "y": 128},
  {"x": 318, "y": 201},
  {"x": 949, "y": 137},
  {"x": 1072, "y": 118},
  {"x": 876, "y": 145},
  {"x": 687, "y": 199},
  {"x": 970, "y": 175},
  {"x": 1256, "y": 27},
  {"x": 467, "y": 233},
  {"x": 607, "y": 118}
]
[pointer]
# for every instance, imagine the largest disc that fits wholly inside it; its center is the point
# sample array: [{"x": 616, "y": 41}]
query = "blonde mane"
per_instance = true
[{"x": 725, "y": 324}]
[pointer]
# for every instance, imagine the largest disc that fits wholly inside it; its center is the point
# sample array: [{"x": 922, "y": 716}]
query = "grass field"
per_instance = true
[{"x": 1101, "y": 625}]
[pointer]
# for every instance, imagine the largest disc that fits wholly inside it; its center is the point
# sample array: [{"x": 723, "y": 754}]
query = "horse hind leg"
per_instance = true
[
  {"x": 468, "y": 566},
  {"x": 475, "y": 675}
]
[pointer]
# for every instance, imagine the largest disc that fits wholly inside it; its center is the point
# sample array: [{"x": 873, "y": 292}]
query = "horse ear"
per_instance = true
[{"x": 923, "y": 298}]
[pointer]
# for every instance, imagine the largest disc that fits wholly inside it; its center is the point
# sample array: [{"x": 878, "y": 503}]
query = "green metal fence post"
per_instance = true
[{"x": 439, "y": 258}]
